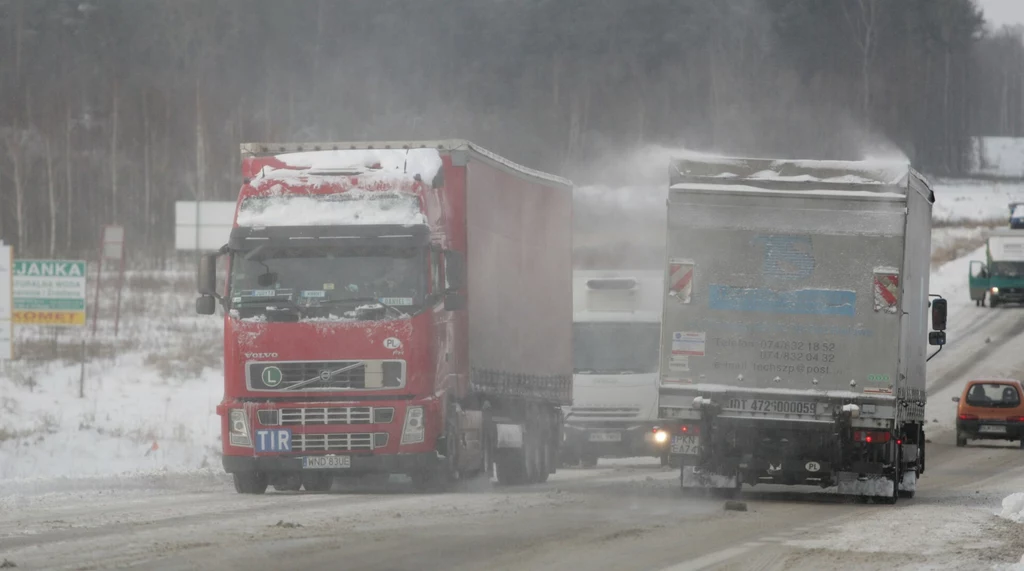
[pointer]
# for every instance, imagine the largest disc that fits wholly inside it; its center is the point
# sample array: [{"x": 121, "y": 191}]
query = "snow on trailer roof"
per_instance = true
[
  {"x": 870, "y": 179},
  {"x": 332, "y": 156}
]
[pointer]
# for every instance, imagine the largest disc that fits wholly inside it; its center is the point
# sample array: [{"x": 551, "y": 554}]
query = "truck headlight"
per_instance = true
[
  {"x": 995, "y": 290},
  {"x": 238, "y": 428},
  {"x": 414, "y": 431},
  {"x": 660, "y": 436}
]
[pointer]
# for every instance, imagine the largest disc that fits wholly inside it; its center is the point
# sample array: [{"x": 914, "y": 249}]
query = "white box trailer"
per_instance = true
[{"x": 795, "y": 325}]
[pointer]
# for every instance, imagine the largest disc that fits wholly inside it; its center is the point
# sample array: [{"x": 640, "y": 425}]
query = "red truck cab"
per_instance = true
[{"x": 346, "y": 329}]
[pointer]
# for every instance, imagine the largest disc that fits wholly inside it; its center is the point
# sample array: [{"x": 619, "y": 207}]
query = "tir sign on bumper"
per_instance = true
[{"x": 278, "y": 440}]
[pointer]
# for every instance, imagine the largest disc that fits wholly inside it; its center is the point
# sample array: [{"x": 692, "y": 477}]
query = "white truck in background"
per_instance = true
[
  {"x": 616, "y": 339},
  {"x": 795, "y": 325}
]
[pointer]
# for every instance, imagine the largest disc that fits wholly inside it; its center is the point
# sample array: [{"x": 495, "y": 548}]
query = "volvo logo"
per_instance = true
[{"x": 325, "y": 375}]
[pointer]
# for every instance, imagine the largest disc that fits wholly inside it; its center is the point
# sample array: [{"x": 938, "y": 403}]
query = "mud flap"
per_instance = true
[
  {"x": 909, "y": 483},
  {"x": 869, "y": 485},
  {"x": 692, "y": 477},
  {"x": 509, "y": 435}
]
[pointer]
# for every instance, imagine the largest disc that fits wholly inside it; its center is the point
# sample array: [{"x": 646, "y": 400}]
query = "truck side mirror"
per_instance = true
[
  {"x": 454, "y": 271},
  {"x": 937, "y": 338},
  {"x": 939, "y": 316},
  {"x": 207, "y": 283},
  {"x": 206, "y": 305}
]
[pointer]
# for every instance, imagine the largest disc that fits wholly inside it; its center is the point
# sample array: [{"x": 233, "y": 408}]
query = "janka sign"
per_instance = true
[{"x": 49, "y": 292}]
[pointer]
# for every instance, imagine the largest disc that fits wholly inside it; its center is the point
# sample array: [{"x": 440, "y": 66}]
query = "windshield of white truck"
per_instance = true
[
  {"x": 334, "y": 280},
  {"x": 615, "y": 348},
  {"x": 1007, "y": 269}
]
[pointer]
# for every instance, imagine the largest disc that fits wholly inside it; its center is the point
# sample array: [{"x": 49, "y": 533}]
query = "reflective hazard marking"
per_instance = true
[
  {"x": 887, "y": 288},
  {"x": 680, "y": 279}
]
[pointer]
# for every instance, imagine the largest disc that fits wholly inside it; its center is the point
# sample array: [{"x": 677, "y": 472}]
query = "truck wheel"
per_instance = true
[
  {"x": 250, "y": 482},
  {"x": 993, "y": 302},
  {"x": 511, "y": 466},
  {"x": 961, "y": 440}
]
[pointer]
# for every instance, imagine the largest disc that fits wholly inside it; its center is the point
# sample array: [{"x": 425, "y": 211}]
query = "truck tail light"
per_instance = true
[
  {"x": 1015, "y": 419},
  {"x": 872, "y": 437},
  {"x": 967, "y": 417},
  {"x": 238, "y": 428},
  {"x": 689, "y": 430},
  {"x": 414, "y": 429}
]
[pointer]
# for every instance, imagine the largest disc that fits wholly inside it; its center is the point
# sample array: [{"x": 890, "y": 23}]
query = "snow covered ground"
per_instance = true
[
  {"x": 970, "y": 202},
  {"x": 149, "y": 393}
]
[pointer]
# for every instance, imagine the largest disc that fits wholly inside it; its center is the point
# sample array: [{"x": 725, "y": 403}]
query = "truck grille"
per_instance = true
[
  {"x": 333, "y": 415},
  {"x": 325, "y": 375},
  {"x": 338, "y": 442},
  {"x": 582, "y": 413}
]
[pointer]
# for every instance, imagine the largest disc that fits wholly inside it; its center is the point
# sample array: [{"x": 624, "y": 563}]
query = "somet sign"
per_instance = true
[{"x": 49, "y": 292}]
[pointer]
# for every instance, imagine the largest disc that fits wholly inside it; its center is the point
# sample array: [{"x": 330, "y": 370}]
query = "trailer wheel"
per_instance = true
[
  {"x": 250, "y": 482},
  {"x": 544, "y": 463},
  {"x": 511, "y": 466}
]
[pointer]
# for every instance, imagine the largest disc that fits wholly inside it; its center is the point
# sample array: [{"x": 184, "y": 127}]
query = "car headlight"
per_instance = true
[
  {"x": 661, "y": 437},
  {"x": 414, "y": 429},
  {"x": 238, "y": 428}
]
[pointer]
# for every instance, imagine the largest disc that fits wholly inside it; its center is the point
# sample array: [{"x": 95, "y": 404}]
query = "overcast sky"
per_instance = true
[{"x": 1002, "y": 12}]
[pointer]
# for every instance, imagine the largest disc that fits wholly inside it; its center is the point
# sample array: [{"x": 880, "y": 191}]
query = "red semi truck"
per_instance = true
[{"x": 393, "y": 308}]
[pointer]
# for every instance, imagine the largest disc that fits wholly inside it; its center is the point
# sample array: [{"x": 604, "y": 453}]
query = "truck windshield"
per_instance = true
[
  {"x": 615, "y": 348},
  {"x": 342, "y": 278},
  {"x": 1007, "y": 269}
]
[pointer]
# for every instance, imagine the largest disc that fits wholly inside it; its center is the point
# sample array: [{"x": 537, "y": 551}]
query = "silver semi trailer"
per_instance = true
[{"x": 795, "y": 329}]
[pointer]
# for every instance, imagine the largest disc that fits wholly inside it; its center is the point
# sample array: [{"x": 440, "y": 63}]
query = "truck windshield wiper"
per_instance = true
[
  {"x": 268, "y": 303},
  {"x": 355, "y": 300}
]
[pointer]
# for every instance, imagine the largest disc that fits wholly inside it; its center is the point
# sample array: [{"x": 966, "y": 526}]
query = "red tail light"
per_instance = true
[
  {"x": 873, "y": 437},
  {"x": 692, "y": 430},
  {"x": 1015, "y": 419},
  {"x": 967, "y": 417}
]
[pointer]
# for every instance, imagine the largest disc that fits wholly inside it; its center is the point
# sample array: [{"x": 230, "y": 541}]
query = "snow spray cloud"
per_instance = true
[{"x": 619, "y": 209}]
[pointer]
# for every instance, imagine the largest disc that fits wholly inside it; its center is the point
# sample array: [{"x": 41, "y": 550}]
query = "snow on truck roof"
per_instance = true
[
  {"x": 870, "y": 178},
  {"x": 424, "y": 157}
]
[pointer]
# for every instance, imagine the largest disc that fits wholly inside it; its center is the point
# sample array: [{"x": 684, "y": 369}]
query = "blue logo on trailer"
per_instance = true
[
  {"x": 275, "y": 440},
  {"x": 797, "y": 302},
  {"x": 786, "y": 257}
]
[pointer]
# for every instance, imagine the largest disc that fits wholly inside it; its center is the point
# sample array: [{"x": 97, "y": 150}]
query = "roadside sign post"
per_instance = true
[
  {"x": 6, "y": 303},
  {"x": 111, "y": 249}
]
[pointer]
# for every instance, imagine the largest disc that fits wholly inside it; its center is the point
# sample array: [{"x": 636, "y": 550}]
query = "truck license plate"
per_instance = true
[
  {"x": 773, "y": 406},
  {"x": 326, "y": 462},
  {"x": 606, "y": 437},
  {"x": 686, "y": 445},
  {"x": 992, "y": 428}
]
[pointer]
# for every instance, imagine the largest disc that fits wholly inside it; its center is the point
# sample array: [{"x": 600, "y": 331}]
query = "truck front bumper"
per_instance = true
[
  {"x": 361, "y": 464},
  {"x": 612, "y": 440}
]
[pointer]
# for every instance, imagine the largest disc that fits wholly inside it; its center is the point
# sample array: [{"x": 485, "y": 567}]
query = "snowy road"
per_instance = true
[{"x": 623, "y": 515}]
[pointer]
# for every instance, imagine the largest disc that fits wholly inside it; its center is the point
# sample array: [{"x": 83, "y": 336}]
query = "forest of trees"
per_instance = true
[{"x": 111, "y": 110}]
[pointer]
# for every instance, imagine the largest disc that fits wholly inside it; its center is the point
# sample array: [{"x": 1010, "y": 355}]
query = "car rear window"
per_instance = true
[{"x": 993, "y": 395}]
